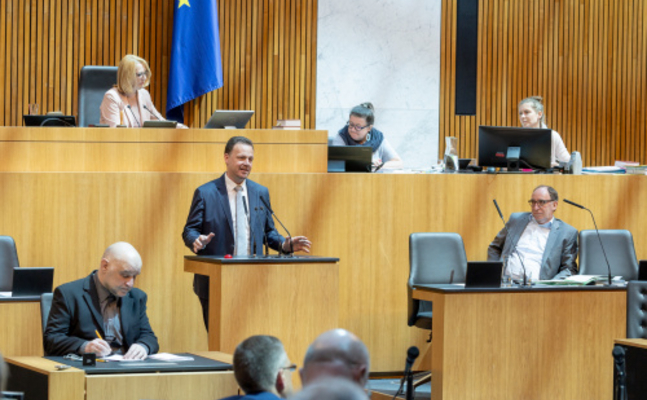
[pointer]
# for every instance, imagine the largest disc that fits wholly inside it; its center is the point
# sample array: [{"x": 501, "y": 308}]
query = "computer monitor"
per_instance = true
[
  {"x": 229, "y": 119},
  {"x": 514, "y": 148},
  {"x": 350, "y": 158},
  {"x": 49, "y": 120}
]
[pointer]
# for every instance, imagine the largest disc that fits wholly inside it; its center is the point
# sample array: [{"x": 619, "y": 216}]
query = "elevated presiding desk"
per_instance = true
[
  {"x": 154, "y": 150},
  {"x": 523, "y": 343}
]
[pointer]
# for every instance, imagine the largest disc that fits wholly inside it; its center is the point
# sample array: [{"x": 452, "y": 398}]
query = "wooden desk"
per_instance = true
[
  {"x": 20, "y": 330},
  {"x": 48, "y": 383},
  {"x": 155, "y": 150},
  {"x": 294, "y": 299},
  {"x": 523, "y": 344}
]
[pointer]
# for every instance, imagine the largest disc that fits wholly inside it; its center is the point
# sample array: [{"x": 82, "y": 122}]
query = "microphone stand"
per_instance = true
[
  {"x": 284, "y": 228},
  {"x": 609, "y": 282},
  {"x": 251, "y": 230}
]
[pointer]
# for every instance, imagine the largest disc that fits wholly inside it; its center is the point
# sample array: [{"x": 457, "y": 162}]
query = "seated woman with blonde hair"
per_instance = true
[
  {"x": 128, "y": 103},
  {"x": 531, "y": 115}
]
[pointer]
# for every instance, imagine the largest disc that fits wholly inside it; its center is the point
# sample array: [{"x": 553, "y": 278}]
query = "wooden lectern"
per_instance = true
[{"x": 293, "y": 298}]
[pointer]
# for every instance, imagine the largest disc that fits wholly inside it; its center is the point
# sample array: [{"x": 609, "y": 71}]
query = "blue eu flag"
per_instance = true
[{"x": 196, "y": 67}]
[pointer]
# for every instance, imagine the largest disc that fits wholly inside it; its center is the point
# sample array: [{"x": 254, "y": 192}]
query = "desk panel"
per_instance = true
[
  {"x": 525, "y": 344},
  {"x": 20, "y": 328},
  {"x": 155, "y": 150}
]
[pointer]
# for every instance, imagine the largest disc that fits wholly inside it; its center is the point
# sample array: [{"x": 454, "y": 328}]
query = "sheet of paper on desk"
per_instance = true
[
  {"x": 119, "y": 358},
  {"x": 5, "y": 294},
  {"x": 159, "y": 357},
  {"x": 169, "y": 357}
]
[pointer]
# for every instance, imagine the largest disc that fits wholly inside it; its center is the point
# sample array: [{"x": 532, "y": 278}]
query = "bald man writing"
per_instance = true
[{"x": 102, "y": 313}]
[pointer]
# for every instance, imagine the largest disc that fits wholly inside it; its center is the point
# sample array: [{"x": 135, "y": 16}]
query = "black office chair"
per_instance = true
[
  {"x": 8, "y": 261},
  {"x": 619, "y": 246},
  {"x": 434, "y": 258},
  {"x": 45, "y": 306},
  {"x": 94, "y": 82},
  {"x": 637, "y": 310}
]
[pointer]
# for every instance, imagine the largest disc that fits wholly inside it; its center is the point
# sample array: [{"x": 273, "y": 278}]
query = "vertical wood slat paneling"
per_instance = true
[
  {"x": 587, "y": 58},
  {"x": 268, "y": 49}
]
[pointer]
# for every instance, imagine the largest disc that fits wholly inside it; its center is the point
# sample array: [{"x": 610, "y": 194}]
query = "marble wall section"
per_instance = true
[{"x": 386, "y": 52}]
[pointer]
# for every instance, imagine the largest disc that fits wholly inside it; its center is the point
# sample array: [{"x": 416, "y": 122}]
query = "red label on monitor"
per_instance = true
[{"x": 499, "y": 154}]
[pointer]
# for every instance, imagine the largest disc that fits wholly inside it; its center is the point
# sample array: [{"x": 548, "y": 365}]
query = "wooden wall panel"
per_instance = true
[
  {"x": 587, "y": 58},
  {"x": 268, "y": 49},
  {"x": 65, "y": 220}
]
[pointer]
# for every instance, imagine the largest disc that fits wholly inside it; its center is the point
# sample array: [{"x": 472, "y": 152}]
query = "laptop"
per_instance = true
[
  {"x": 49, "y": 120},
  {"x": 32, "y": 281},
  {"x": 160, "y": 124},
  {"x": 350, "y": 159},
  {"x": 483, "y": 274},
  {"x": 228, "y": 119}
]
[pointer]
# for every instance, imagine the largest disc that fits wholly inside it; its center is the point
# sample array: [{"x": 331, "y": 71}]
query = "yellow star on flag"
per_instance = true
[{"x": 184, "y": 3}]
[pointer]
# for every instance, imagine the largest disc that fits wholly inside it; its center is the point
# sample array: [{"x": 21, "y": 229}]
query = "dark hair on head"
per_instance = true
[
  {"x": 257, "y": 361},
  {"x": 366, "y": 111},
  {"x": 551, "y": 191},
  {"x": 233, "y": 141}
]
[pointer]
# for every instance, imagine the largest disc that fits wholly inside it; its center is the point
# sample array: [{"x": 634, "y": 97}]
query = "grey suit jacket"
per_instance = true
[{"x": 561, "y": 248}]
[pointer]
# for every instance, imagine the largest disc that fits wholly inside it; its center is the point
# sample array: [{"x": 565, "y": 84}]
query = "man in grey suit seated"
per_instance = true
[{"x": 543, "y": 244}]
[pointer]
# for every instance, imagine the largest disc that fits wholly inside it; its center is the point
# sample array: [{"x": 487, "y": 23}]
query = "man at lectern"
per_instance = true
[
  {"x": 536, "y": 243},
  {"x": 229, "y": 215},
  {"x": 102, "y": 313}
]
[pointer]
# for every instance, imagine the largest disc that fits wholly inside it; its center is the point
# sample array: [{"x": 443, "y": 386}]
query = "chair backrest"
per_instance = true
[
  {"x": 45, "y": 306},
  {"x": 8, "y": 261},
  {"x": 637, "y": 310},
  {"x": 434, "y": 257},
  {"x": 619, "y": 246},
  {"x": 94, "y": 82}
]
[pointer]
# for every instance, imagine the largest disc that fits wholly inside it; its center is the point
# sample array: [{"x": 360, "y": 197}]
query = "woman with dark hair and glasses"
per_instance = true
[
  {"x": 359, "y": 131},
  {"x": 128, "y": 103}
]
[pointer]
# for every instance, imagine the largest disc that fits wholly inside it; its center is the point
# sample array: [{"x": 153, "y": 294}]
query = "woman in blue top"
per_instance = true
[{"x": 359, "y": 131}]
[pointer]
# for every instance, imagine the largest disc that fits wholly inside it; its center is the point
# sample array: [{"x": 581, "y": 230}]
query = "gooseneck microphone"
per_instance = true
[
  {"x": 134, "y": 116},
  {"x": 412, "y": 353},
  {"x": 152, "y": 113},
  {"x": 514, "y": 249},
  {"x": 598, "y": 234},
  {"x": 277, "y": 218},
  {"x": 251, "y": 230}
]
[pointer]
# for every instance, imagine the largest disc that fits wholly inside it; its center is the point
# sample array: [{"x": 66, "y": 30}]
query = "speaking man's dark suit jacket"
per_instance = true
[
  {"x": 210, "y": 212},
  {"x": 76, "y": 315},
  {"x": 561, "y": 247}
]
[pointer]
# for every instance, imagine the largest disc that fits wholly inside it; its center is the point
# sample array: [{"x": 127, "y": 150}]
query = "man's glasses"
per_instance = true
[
  {"x": 356, "y": 127},
  {"x": 541, "y": 203},
  {"x": 291, "y": 367}
]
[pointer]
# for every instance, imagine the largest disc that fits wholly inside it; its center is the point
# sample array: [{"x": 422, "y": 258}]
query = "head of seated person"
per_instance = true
[
  {"x": 336, "y": 353},
  {"x": 331, "y": 388},
  {"x": 133, "y": 74},
  {"x": 261, "y": 365}
]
